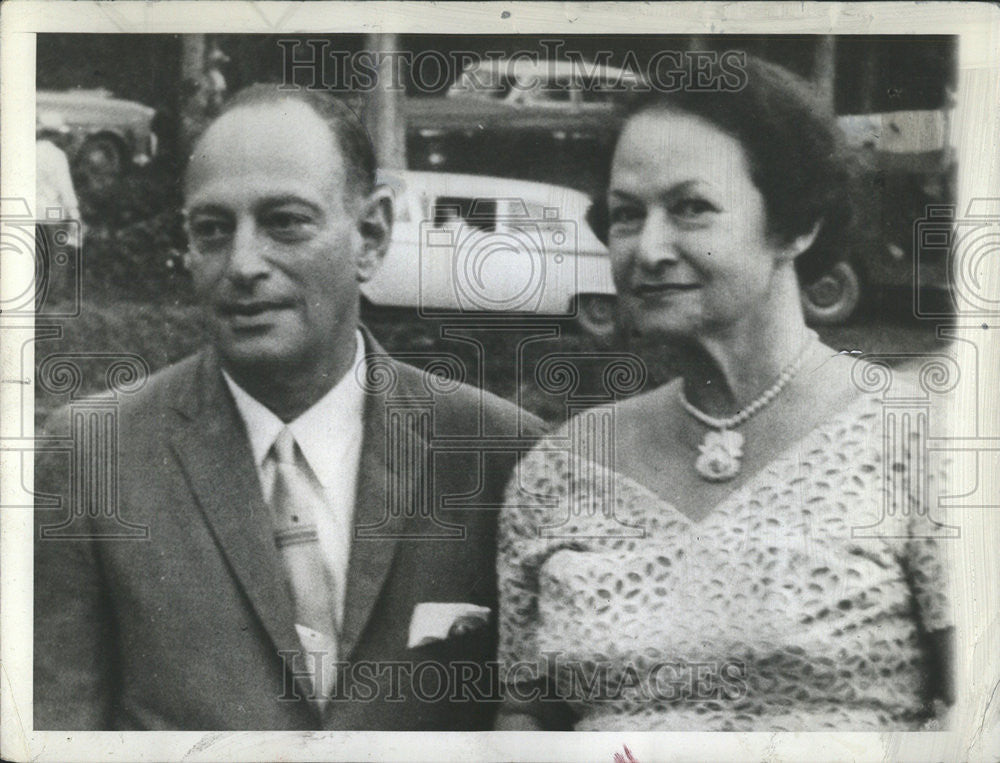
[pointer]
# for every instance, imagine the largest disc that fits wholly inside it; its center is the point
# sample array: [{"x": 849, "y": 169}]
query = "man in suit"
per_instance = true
[{"x": 321, "y": 518}]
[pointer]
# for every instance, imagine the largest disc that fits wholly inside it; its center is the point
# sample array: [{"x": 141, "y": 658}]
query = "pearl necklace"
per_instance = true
[{"x": 721, "y": 451}]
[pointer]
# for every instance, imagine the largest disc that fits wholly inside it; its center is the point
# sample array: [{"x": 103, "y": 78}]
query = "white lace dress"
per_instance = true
[{"x": 798, "y": 603}]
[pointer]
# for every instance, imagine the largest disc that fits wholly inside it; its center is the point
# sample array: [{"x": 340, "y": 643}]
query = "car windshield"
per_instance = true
[
  {"x": 483, "y": 84},
  {"x": 475, "y": 212},
  {"x": 605, "y": 91},
  {"x": 557, "y": 90}
]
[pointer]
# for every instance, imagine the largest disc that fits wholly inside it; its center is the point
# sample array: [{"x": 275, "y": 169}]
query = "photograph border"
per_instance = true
[{"x": 973, "y": 420}]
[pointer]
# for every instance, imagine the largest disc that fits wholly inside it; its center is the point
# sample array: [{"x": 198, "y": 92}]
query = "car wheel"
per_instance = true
[
  {"x": 100, "y": 157},
  {"x": 596, "y": 314},
  {"x": 834, "y": 296}
]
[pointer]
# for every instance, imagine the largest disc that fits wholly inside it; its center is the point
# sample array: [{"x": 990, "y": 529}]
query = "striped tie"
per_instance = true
[{"x": 296, "y": 501}]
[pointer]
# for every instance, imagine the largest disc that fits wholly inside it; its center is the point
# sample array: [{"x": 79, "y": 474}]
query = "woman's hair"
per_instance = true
[{"x": 795, "y": 151}]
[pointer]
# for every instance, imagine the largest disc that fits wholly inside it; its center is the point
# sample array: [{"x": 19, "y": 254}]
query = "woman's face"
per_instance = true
[{"x": 687, "y": 232}]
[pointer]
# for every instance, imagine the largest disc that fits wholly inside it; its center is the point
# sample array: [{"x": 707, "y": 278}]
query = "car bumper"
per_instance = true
[{"x": 146, "y": 153}]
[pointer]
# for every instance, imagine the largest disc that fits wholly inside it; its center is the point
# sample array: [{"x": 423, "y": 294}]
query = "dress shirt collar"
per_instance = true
[{"x": 321, "y": 431}]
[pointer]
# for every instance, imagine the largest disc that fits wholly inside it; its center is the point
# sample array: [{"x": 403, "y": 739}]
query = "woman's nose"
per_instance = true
[{"x": 657, "y": 243}]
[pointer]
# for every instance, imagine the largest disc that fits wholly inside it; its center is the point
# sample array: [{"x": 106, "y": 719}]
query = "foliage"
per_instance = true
[{"x": 134, "y": 239}]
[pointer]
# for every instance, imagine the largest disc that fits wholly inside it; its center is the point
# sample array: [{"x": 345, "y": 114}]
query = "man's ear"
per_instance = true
[
  {"x": 800, "y": 244},
  {"x": 375, "y": 226}
]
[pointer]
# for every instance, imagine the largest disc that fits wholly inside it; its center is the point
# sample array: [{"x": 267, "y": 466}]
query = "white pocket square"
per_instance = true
[{"x": 435, "y": 621}]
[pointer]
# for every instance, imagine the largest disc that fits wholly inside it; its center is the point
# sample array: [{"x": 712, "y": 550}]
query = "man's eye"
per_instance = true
[
  {"x": 692, "y": 207},
  {"x": 288, "y": 223},
  {"x": 209, "y": 231}
]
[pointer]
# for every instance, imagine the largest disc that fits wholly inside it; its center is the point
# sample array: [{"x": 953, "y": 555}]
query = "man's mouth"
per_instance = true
[
  {"x": 249, "y": 308},
  {"x": 648, "y": 290}
]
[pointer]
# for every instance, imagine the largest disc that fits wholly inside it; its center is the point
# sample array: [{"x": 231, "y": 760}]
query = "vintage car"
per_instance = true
[
  {"x": 474, "y": 245},
  {"x": 907, "y": 173},
  {"x": 105, "y": 134},
  {"x": 524, "y": 95},
  {"x": 514, "y": 117},
  {"x": 560, "y": 85}
]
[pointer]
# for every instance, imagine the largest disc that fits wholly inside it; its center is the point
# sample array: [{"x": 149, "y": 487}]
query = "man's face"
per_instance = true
[{"x": 276, "y": 246}]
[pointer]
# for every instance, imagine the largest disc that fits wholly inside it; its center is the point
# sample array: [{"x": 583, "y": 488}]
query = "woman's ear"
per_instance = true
[
  {"x": 802, "y": 243},
  {"x": 375, "y": 226}
]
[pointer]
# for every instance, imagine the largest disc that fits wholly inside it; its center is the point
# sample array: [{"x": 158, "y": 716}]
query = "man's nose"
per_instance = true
[
  {"x": 657, "y": 242},
  {"x": 247, "y": 260}
]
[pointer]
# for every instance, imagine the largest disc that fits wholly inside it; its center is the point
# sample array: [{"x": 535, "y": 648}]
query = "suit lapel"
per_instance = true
[
  {"x": 373, "y": 548},
  {"x": 212, "y": 447},
  {"x": 210, "y": 442}
]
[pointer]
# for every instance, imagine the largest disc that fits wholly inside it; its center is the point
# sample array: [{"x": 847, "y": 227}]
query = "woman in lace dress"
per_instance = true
[{"x": 739, "y": 560}]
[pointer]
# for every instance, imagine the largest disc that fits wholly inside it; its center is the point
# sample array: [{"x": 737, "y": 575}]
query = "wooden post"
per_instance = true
[
  {"x": 824, "y": 69},
  {"x": 384, "y": 115},
  {"x": 190, "y": 103},
  {"x": 868, "y": 73}
]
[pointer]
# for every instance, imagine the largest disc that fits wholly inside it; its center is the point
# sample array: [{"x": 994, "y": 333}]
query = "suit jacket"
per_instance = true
[{"x": 187, "y": 628}]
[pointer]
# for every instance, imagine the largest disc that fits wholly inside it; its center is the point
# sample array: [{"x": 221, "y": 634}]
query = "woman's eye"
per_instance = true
[
  {"x": 692, "y": 207},
  {"x": 623, "y": 216}
]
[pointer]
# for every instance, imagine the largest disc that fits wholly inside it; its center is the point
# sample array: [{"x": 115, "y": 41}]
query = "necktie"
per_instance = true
[{"x": 296, "y": 501}]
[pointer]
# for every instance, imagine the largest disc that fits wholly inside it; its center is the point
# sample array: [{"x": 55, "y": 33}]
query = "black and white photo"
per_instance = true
[{"x": 627, "y": 377}]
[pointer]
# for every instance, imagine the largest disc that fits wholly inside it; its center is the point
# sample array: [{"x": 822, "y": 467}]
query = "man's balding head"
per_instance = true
[{"x": 349, "y": 135}]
